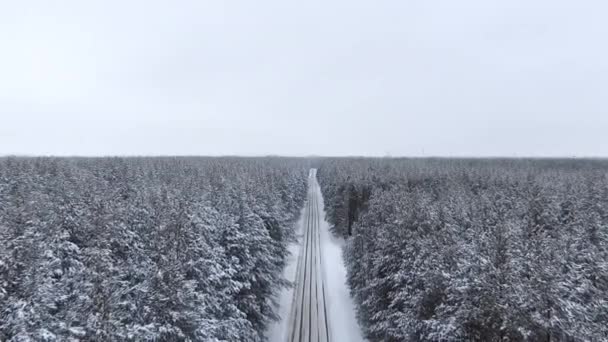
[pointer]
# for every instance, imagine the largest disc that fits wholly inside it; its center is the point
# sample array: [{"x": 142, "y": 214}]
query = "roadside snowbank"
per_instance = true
[
  {"x": 277, "y": 331},
  {"x": 341, "y": 309}
]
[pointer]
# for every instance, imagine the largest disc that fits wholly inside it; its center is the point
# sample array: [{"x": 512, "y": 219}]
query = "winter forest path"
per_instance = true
[{"x": 308, "y": 321}]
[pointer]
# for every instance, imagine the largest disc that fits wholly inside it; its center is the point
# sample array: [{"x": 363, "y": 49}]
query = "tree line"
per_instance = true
[
  {"x": 132, "y": 249},
  {"x": 473, "y": 250}
]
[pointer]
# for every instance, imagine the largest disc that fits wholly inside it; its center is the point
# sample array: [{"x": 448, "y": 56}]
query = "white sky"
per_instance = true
[{"x": 338, "y": 77}]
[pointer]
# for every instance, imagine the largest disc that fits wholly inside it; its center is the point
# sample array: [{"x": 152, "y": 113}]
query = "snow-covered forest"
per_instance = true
[
  {"x": 194, "y": 249},
  {"x": 474, "y": 250},
  {"x": 165, "y": 249}
]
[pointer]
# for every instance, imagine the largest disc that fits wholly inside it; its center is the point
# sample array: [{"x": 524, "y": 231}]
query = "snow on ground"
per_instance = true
[
  {"x": 341, "y": 309},
  {"x": 277, "y": 331}
]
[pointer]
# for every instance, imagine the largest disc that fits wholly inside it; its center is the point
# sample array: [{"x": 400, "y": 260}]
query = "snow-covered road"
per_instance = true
[{"x": 318, "y": 308}]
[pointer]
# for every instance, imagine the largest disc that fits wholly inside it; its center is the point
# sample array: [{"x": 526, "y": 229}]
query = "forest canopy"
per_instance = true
[
  {"x": 132, "y": 249},
  {"x": 474, "y": 250},
  {"x": 193, "y": 248}
]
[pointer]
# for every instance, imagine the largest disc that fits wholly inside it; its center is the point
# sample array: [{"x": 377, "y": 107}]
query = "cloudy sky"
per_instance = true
[{"x": 338, "y": 77}]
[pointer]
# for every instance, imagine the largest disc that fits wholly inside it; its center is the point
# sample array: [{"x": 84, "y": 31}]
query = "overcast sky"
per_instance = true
[{"x": 337, "y": 77}]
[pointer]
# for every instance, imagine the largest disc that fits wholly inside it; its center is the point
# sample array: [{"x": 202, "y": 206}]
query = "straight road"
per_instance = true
[{"x": 308, "y": 321}]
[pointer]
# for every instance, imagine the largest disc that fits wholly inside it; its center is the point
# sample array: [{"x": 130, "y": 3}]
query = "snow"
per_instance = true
[
  {"x": 277, "y": 331},
  {"x": 78, "y": 331},
  {"x": 341, "y": 309},
  {"x": 45, "y": 335}
]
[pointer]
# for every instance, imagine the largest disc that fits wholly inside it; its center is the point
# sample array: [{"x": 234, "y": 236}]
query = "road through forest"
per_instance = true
[
  {"x": 308, "y": 321},
  {"x": 318, "y": 308}
]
